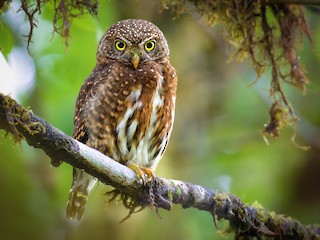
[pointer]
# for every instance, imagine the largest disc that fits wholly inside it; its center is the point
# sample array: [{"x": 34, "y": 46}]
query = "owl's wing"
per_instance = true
[
  {"x": 80, "y": 131},
  {"x": 82, "y": 182}
]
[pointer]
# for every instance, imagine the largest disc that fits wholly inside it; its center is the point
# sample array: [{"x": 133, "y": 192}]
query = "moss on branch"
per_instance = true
[
  {"x": 15, "y": 115},
  {"x": 246, "y": 222}
]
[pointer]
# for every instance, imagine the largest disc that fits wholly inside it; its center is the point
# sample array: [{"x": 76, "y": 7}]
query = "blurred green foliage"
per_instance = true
[{"x": 216, "y": 141}]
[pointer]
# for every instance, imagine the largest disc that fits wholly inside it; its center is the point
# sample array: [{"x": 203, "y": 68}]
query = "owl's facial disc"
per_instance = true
[
  {"x": 125, "y": 35},
  {"x": 134, "y": 53}
]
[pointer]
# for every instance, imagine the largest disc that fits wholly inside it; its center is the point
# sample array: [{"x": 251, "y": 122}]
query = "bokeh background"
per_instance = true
[{"x": 216, "y": 140}]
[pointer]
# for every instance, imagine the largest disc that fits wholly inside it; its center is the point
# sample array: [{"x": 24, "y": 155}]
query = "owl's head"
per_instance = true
[{"x": 133, "y": 41}]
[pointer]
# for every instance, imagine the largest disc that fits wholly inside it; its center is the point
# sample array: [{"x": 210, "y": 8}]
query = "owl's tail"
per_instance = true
[{"x": 80, "y": 189}]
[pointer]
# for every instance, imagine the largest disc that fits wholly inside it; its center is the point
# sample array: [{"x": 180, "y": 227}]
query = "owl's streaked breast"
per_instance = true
[{"x": 135, "y": 112}]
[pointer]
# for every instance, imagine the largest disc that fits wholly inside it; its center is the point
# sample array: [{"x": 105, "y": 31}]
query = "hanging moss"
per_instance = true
[
  {"x": 4, "y": 4},
  {"x": 267, "y": 33},
  {"x": 64, "y": 12}
]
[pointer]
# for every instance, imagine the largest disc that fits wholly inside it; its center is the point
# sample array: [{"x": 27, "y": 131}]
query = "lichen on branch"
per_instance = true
[
  {"x": 16, "y": 115},
  {"x": 246, "y": 222}
]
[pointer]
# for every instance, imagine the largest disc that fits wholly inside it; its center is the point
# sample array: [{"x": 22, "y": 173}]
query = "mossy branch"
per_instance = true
[{"x": 245, "y": 221}]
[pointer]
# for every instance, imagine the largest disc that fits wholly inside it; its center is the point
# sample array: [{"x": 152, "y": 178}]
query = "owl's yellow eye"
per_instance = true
[
  {"x": 120, "y": 45},
  {"x": 149, "y": 46}
]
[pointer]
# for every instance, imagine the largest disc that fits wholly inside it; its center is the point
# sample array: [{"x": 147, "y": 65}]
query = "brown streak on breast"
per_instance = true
[{"x": 107, "y": 100}]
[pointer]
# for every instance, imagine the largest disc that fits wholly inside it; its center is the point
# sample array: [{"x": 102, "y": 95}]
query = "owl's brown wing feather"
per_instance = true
[
  {"x": 80, "y": 131},
  {"x": 83, "y": 182}
]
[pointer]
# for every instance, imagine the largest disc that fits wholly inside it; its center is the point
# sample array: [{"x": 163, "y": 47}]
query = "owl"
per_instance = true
[{"x": 125, "y": 108}]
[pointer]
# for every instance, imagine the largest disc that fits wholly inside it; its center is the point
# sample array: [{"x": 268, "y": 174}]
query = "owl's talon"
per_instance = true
[{"x": 146, "y": 175}]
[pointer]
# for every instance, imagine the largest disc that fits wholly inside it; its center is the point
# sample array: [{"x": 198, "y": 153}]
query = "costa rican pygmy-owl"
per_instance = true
[{"x": 125, "y": 108}]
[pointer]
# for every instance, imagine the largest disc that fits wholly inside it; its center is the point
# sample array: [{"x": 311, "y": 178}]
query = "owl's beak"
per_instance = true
[{"x": 135, "y": 60}]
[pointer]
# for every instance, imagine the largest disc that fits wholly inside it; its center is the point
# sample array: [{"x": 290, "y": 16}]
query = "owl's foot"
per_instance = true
[{"x": 145, "y": 174}]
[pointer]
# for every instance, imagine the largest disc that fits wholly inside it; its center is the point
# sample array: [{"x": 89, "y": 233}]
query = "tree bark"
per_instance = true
[
  {"x": 297, "y": 2},
  {"x": 246, "y": 221}
]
